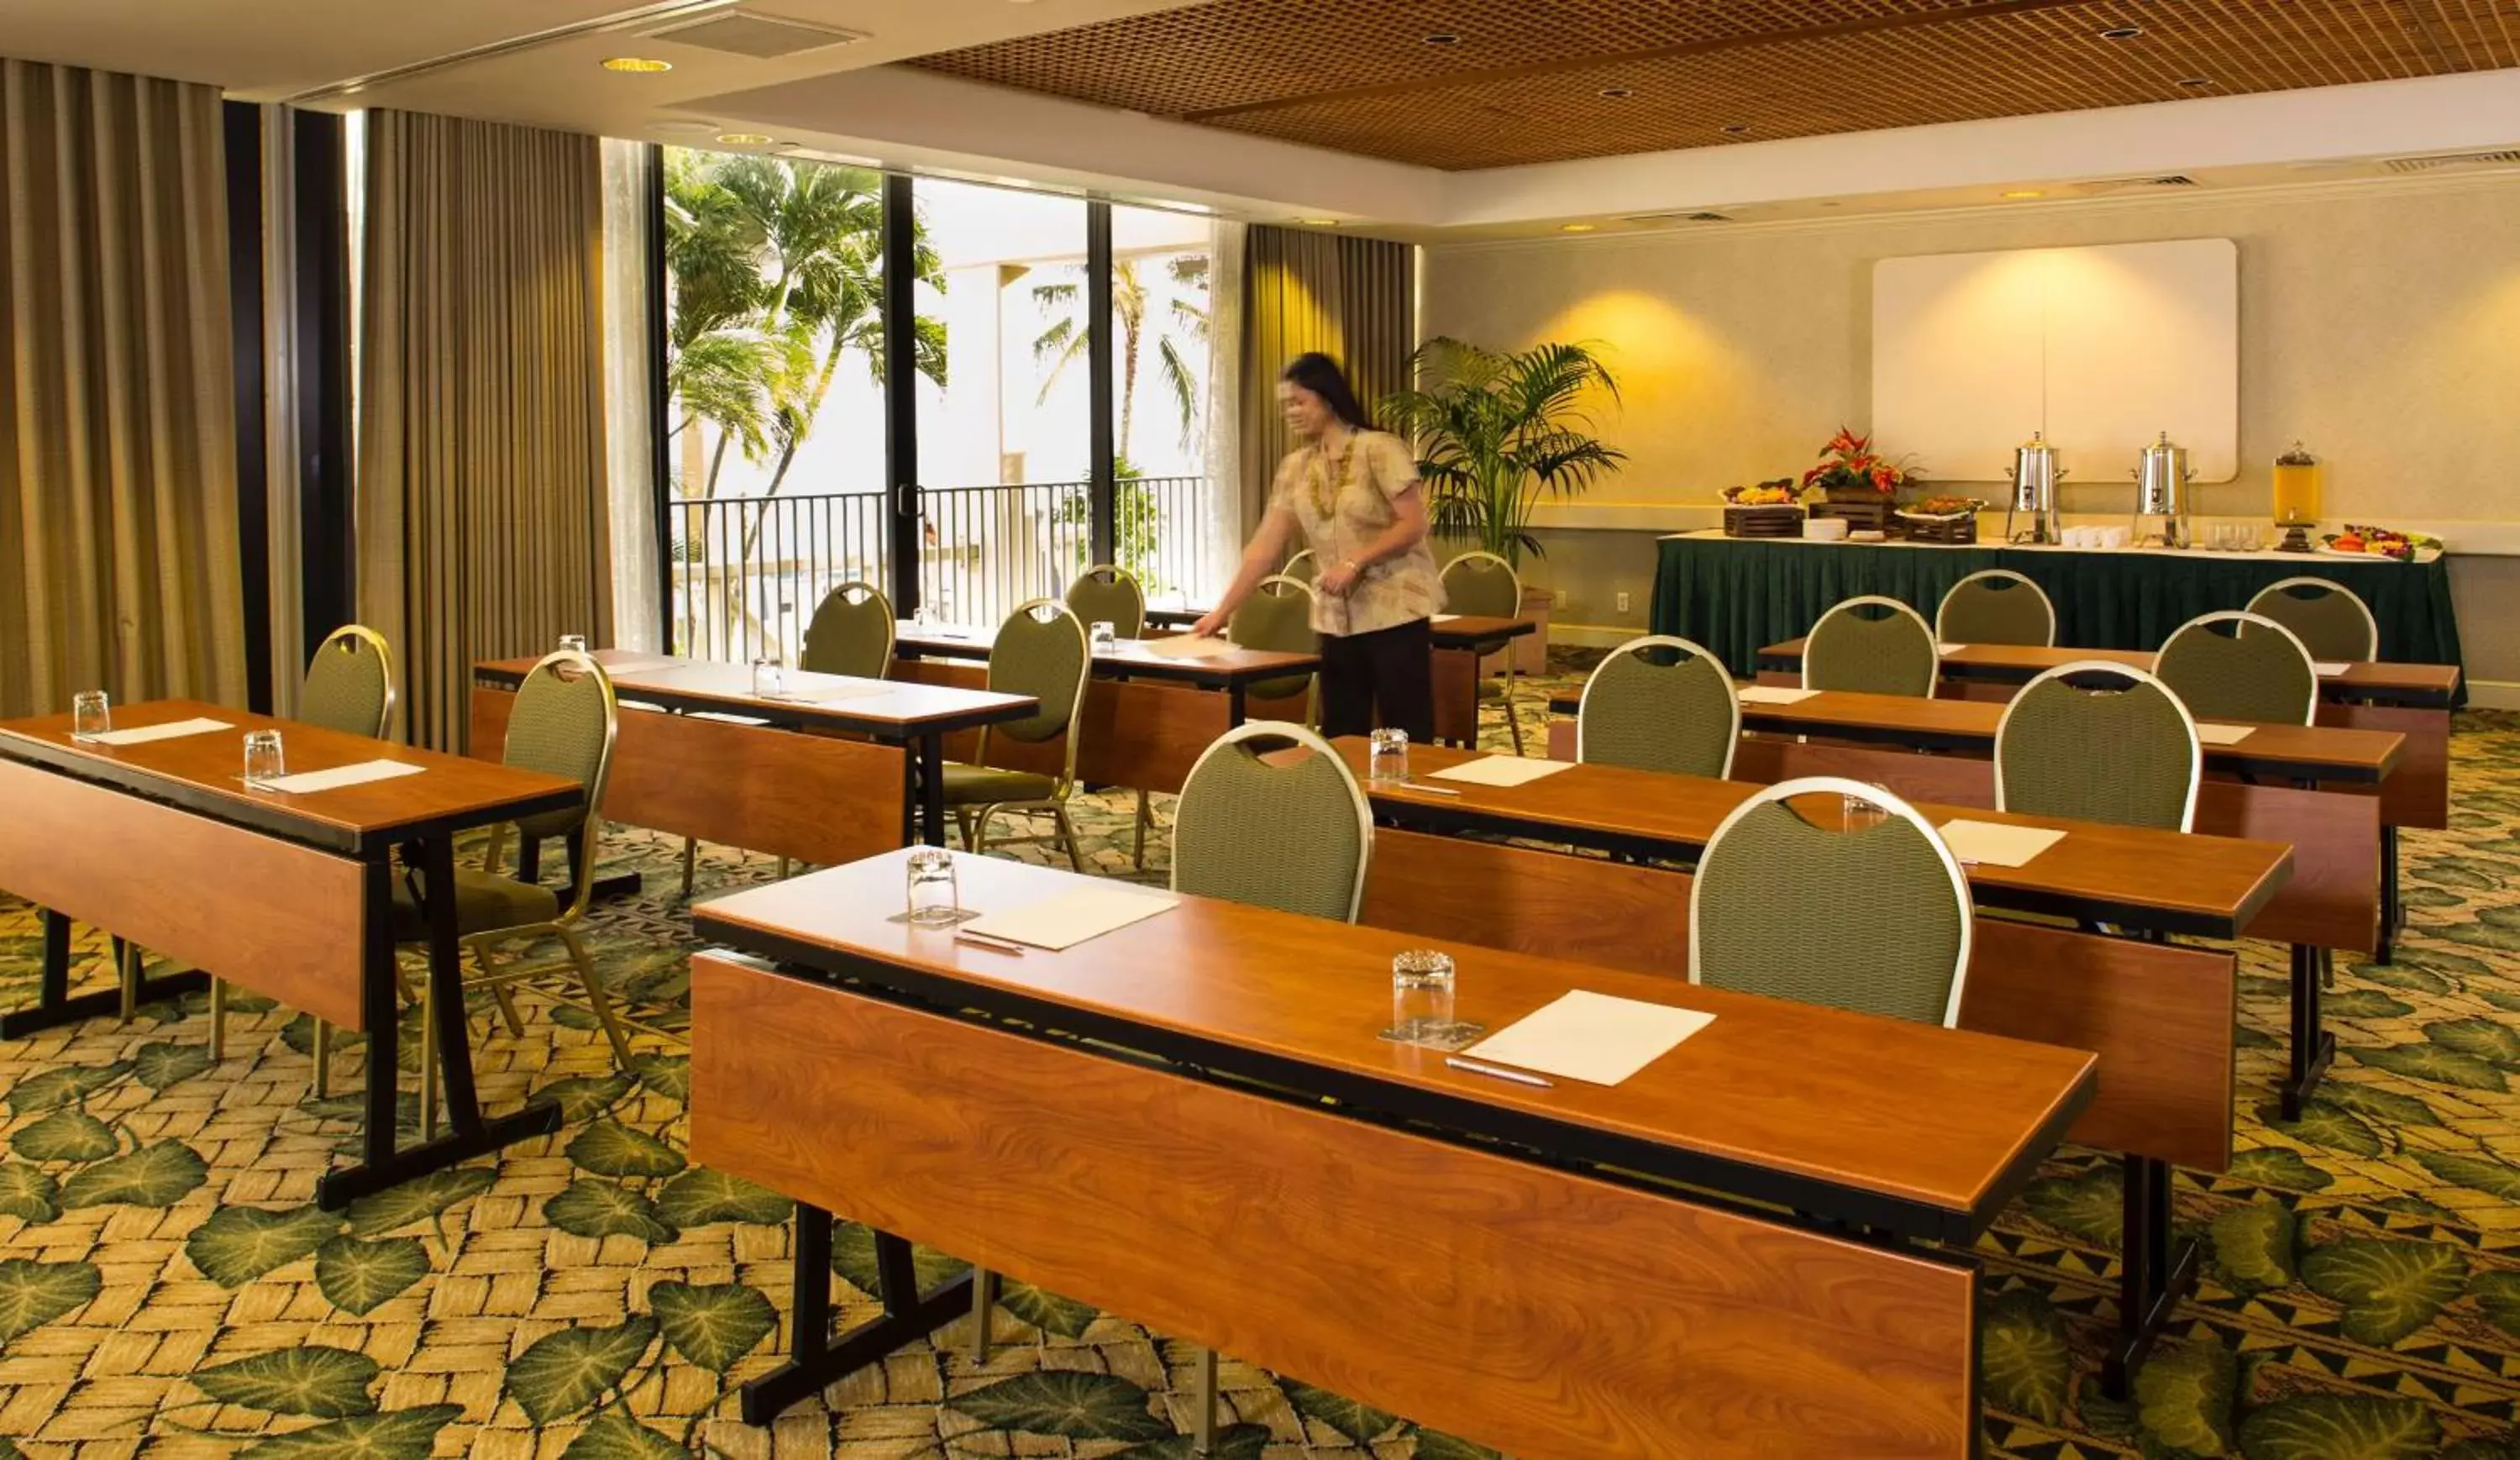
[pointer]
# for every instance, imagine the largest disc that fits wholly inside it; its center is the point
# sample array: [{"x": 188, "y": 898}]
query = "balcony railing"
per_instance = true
[{"x": 749, "y": 571}]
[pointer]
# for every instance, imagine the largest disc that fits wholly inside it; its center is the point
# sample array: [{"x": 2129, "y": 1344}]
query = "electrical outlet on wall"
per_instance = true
[
  {"x": 1557, "y": 600},
  {"x": 1623, "y": 603}
]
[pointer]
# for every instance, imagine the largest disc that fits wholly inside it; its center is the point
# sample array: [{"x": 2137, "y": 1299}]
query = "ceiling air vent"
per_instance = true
[
  {"x": 1700, "y": 217},
  {"x": 760, "y": 37},
  {"x": 2135, "y": 185},
  {"x": 2453, "y": 160}
]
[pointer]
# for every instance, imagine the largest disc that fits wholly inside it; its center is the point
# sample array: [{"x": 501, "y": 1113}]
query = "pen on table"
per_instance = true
[
  {"x": 1429, "y": 790},
  {"x": 1499, "y": 1071},
  {"x": 983, "y": 940}
]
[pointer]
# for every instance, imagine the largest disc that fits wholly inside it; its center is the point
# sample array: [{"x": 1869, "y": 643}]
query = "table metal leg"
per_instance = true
[
  {"x": 2392, "y": 907},
  {"x": 54, "y": 1004},
  {"x": 931, "y": 790},
  {"x": 382, "y": 1164},
  {"x": 816, "y": 1359},
  {"x": 1234, "y": 705},
  {"x": 2154, "y": 1277},
  {"x": 2312, "y": 1046}
]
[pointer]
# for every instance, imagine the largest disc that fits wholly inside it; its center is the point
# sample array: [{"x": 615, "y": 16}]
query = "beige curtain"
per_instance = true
[
  {"x": 119, "y": 563},
  {"x": 482, "y": 526},
  {"x": 1352, "y": 298}
]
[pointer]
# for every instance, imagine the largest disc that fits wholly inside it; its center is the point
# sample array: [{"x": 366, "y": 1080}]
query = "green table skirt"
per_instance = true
[{"x": 1738, "y": 595}]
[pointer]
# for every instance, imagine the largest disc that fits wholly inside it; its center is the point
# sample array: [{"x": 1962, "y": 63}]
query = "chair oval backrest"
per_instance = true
[
  {"x": 1278, "y": 616},
  {"x": 562, "y": 724},
  {"x": 851, "y": 633},
  {"x": 1105, "y": 594},
  {"x": 1997, "y": 606},
  {"x": 1482, "y": 583},
  {"x": 2127, "y": 753},
  {"x": 1295, "y": 837},
  {"x": 2264, "y": 674},
  {"x": 1303, "y": 568},
  {"x": 349, "y": 683},
  {"x": 1875, "y": 919},
  {"x": 1040, "y": 651},
  {"x": 1662, "y": 704},
  {"x": 2330, "y": 620},
  {"x": 1891, "y": 655}
]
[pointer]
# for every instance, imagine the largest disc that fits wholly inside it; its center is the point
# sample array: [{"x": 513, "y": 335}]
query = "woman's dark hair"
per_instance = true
[{"x": 1320, "y": 374}]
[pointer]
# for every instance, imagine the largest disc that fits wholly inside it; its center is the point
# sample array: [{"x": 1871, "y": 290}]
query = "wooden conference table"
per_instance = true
[
  {"x": 2370, "y": 682},
  {"x": 1147, "y": 717},
  {"x": 1504, "y": 1262},
  {"x": 752, "y": 781},
  {"x": 288, "y": 894},
  {"x": 1462, "y": 642}
]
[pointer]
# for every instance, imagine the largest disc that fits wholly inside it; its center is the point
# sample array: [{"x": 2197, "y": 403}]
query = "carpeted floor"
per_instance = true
[{"x": 168, "y": 1289}]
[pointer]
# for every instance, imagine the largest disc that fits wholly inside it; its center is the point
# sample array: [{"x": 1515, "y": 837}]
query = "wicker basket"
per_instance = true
[
  {"x": 1861, "y": 517},
  {"x": 1958, "y": 529},
  {"x": 1770, "y": 520}
]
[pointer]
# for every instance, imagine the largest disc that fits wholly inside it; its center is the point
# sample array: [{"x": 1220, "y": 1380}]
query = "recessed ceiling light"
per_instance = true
[
  {"x": 747, "y": 139},
  {"x": 2122, "y": 32},
  {"x": 1318, "y": 223},
  {"x": 1617, "y": 93},
  {"x": 1444, "y": 38},
  {"x": 2196, "y": 81},
  {"x": 1736, "y": 130},
  {"x": 2025, "y": 193},
  {"x": 1577, "y": 227},
  {"x": 637, "y": 66}
]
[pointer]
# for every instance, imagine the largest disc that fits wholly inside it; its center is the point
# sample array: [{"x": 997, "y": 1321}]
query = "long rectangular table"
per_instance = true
[
  {"x": 1509, "y": 1263},
  {"x": 290, "y": 896},
  {"x": 725, "y": 765},
  {"x": 2364, "y": 682},
  {"x": 2159, "y": 1016},
  {"x": 1463, "y": 642}
]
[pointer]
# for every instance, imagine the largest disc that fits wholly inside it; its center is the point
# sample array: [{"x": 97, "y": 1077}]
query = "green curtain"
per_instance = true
[
  {"x": 1737, "y": 596},
  {"x": 121, "y": 567},
  {"x": 1353, "y": 299}
]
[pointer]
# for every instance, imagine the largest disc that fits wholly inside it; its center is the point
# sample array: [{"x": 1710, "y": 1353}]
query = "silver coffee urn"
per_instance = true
[
  {"x": 2161, "y": 506},
  {"x": 2032, "y": 518}
]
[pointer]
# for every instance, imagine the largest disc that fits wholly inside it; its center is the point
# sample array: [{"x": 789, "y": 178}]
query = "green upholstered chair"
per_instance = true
[
  {"x": 1303, "y": 568},
  {"x": 349, "y": 687},
  {"x": 1875, "y": 645},
  {"x": 1997, "y": 606},
  {"x": 1292, "y": 834},
  {"x": 2240, "y": 667},
  {"x": 2094, "y": 740},
  {"x": 2332, "y": 621},
  {"x": 851, "y": 634},
  {"x": 1105, "y": 594},
  {"x": 1871, "y": 917},
  {"x": 1662, "y": 704},
  {"x": 564, "y": 723},
  {"x": 1481, "y": 583},
  {"x": 1279, "y": 616},
  {"x": 1039, "y": 650}
]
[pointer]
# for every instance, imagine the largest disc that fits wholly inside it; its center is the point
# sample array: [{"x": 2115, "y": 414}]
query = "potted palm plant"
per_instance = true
[{"x": 1496, "y": 432}]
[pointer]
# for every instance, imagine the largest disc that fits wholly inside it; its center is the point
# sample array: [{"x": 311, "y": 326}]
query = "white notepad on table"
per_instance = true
[
  {"x": 1070, "y": 918},
  {"x": 2330, "y": 668},
  {"x": 1949, "y": 648},
  {"x": 2223, "y": 735},
  {"x": 1442, "y": 617},
  {"x": 825, "y": 694},
  {"x": 1990, "y": 843},
  {"x": 1500, "y": 770},
  {"x": 1774, "y": 694},
  {"x": 1188, "y": 646},
  {"x": 171, "y": 730},
  {"x": 1591, "y": 1036},
  {"x": 343, "y": 775}
]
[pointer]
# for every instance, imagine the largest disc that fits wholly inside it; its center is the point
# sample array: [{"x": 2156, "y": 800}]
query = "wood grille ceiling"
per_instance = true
[{"x": 1525, "y": 80}]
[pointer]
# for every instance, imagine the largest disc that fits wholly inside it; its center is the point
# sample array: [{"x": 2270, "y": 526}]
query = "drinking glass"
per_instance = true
[
  {"x": 1101, "y": 636},
  {"x": 576, "y": 643},
  {"x": 263, "y": 757},
  {"x": 90, "y": 714},
  {"x": 1387, "y": 760},
  {"x": 1421, "y": 995},
  {"x": 768, "y": 678},
  {"x": 1859, "y": 813},
  {"x": 934, "y": 895}
]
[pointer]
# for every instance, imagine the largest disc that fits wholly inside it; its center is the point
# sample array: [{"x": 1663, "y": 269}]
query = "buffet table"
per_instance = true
[{"x": 1734, "y": 595}]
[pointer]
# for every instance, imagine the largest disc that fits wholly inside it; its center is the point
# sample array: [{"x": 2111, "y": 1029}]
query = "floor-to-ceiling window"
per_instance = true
[{"x": 1163, "y": 336}]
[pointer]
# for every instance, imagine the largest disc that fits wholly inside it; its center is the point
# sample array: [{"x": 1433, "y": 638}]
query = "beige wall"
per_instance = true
[{"x": 2380, "y": 323}]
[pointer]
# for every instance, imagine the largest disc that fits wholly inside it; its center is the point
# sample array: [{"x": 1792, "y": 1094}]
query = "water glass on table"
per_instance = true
[
  {"x": 91, "y": 715},
  {"x": 768, "y": 678},
  {"x": 263, "y": 762},
  {"x": 573, "y": 643},
  {"x": 1101, "y": 636},
  {"x": 933, "y": 895},
  {"x": 1421, "y": 995},
  {"x": 1387, "y": 760},
  {"x": 1859, "y": 813}
]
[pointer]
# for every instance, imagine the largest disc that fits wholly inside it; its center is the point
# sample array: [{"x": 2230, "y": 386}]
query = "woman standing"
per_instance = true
[{"x": 1351, "y": 493}]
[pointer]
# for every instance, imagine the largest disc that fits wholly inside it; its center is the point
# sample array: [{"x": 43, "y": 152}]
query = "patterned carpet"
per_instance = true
[{"x": 168, "y": 1289}]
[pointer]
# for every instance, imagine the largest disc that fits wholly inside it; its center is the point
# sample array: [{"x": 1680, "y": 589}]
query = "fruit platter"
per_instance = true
[
  {"x": 1770, "y": 508},
  {"x": 1780, "y": 492},
  {"x": 1943, "y": 518},
  {"x": 1941, "y": 507},
  {"x": 2358, "y": 541}
]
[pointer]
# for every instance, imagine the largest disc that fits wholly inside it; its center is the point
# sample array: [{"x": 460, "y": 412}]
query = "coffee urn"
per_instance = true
[
  {"x": 2161, "y": 477},
  {"x": 2034, "y": 493}
]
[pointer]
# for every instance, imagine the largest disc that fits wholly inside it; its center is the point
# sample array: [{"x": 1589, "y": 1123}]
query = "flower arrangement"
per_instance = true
[{"x": 1849, "y": 468}]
